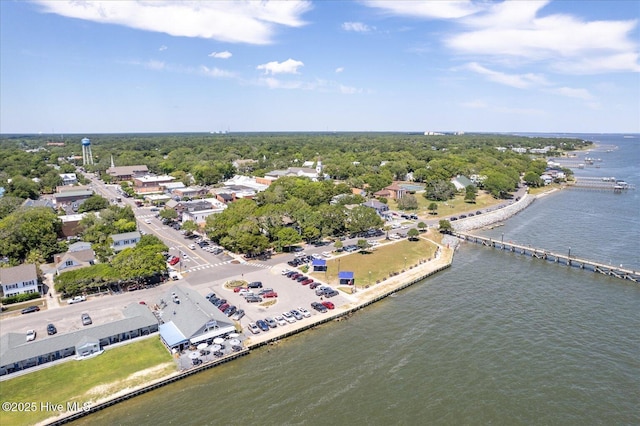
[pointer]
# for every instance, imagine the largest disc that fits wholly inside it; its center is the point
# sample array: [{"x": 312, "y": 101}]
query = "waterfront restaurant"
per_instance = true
[{"x": 188, "y": 319}]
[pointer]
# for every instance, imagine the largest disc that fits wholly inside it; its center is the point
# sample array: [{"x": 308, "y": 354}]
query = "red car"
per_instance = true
[
  {"x": 307, "y": 281},
  {"x": 328, "y": 305},
  {"x": 270, "y": 294},
  {"x": 174, "y": 261},
  {"x": 237, "y": 289}
]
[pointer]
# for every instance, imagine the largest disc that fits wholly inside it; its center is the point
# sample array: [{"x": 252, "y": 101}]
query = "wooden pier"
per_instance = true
[{"x": 561, "y": 259}]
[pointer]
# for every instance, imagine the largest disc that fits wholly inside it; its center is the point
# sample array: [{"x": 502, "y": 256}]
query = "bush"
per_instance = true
[{"x": 19, "y": 298}]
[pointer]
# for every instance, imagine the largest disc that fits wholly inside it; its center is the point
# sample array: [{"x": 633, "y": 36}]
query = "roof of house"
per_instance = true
[
  {"x": 375, "y": 204},
  {"x": 126, "y": 236},
  {"x": 80, "y": 256},
  {"x": 127, "y": 170},
  {"x": 318, "y": 262},
  {"x": 78, "y": 246},
  {"x": 20, "y": 273},
  {"x": 345, "y": 275},
  {"x": 40, "y": 202}
]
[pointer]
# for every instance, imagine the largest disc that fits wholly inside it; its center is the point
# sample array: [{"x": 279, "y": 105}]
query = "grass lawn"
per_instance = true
[
  {"x": 85, "y": 381},
  {"x": 378, "y": 264},
  {"x": 449, "y": 207}
]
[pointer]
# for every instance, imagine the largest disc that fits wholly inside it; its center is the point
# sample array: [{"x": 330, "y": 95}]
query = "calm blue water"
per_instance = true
[{"x": 496, "y": 339}]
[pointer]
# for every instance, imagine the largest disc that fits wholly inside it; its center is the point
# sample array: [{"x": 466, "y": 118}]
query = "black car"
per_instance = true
[
  {"x": 263, "y": 325},
  {"x": 255, "y": 284},
  {"x": 30, "y": 309},
  {"x": 319, "y": 307},
  {"x": 329, "y": 292},
  {"x": 51, "y": 329},
  {"x": 253, "y": 299}
]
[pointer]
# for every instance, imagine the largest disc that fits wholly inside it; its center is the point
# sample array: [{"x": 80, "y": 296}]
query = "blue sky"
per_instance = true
[{"x": 192, "y": 66}]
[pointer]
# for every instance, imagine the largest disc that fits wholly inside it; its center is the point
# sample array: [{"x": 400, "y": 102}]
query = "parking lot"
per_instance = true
[{"x": 291, "y": 295}]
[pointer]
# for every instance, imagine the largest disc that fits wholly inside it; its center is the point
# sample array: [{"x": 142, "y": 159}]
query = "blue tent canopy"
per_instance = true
[
  {"x": 319, "y": 262},
  {"x": 345, "y": 275}
]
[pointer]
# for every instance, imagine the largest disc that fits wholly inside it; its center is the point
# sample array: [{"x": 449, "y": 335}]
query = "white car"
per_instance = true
[
  {"x": 31, "y": 335},
  {"x": 76, "y": 299},
  {"x": 327, "y": 254},
  {"x": 280, "y": 320},
  {"x": 285, "y": 271},
  {"x": 147, "y": 221},
  {"x": 288, "y": 317},
  {"x": 304, "y": 312},
  {"x": 253, "y": 328}
]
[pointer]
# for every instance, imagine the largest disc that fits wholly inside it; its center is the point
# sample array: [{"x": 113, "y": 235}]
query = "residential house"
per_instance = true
[
  {"x": 22, "y": 279},
  {"x": 40, "y": 202},
  {"x": 74, "y": 260},
  {"x": 125, "y": 240},
  {"x": 190, "y": 192},
  {"x": 190, "y": 319},
  {"x": 69, "y": 178},
  {"x": 381, "y": 208},
  {"x": 71, "y": 223}
]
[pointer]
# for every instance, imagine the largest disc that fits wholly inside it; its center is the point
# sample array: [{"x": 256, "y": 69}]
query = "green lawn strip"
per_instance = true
[
  {"x": 452, "y": 207},
  {"x": 381, "y": 262},
  {"x": 71, "y": 381}
]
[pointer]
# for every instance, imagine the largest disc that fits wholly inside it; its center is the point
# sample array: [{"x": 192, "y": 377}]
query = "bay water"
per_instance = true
[{"x": 498, "y": 338}]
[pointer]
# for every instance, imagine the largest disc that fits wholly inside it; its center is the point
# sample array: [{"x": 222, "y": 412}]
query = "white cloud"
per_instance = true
[
  {"x": 162, "y": 48},
  {"x": 428, "y": 9},
  {"x": 220, "y": 55},
  {"x": 339, "y": 69},
  {"x": 154, "y": 65},
  {"x": 515, "y": 30},
  {"x": 250, "y": 22},
  {"x": 357, "y": 27},
  {"x": 573, "y": 93},
  {"x": 347, "y": 90},
  {"x": 289, "y": 66},
  {"x": 274, "y": 83},
  {"x": 214, "y": 72},
  {"x": 520, "y": 81},
  {"x": 475, "y": 104}
]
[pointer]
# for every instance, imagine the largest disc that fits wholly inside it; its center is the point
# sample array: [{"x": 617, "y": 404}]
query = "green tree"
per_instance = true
[
  {"x": 169, "y": 214},
  {"x": 532, "y": 179},
  {"x": 22, "y": 187},
  {"x": 421, "y": 226},
  {"x": 287, "y": 237},
  {"x": 8, "y": 205},
  {"x": 433, "y": 208},
  {"x": 470, "y": 194},
  {"x": 27, "y": 230},
  {"x": 445, "y": 226},
  {"x": 338, "y": 245},
  {"x": 363, "y": 244},
  {"x": 408, "y": 202},
  {"x": 189, "y": 227},
  {"x": 413, "y": 234},
  {"x": 362, "y": 218},
  {"x": 93, "y": 204},
  {"x": 439, "y": 190}
]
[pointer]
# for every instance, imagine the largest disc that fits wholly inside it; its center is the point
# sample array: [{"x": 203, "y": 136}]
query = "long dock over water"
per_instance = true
[
  {"x": 602, "y": 184},
  {"x": 561, "y": 259}
]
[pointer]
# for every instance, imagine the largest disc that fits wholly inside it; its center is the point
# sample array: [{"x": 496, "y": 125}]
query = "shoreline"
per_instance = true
[{"x": 365, "y": 297}]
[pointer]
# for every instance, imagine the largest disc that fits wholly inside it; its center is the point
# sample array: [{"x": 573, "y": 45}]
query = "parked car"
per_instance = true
[
  {"x": 304, "y": 312},
  {"x": 302, "y": 278},
  {"x": 253, "y": 328},
  {"x": 255, "y": 284},
  {"x": 271, "y": 322},
  {"x": 288, "y": 317},
  {"x": 330, "y": 293},
  {"x": 313, "y": 285},
  {"x": 238, "y": 315},
  {"x": 270, "y": 295},
  {"x": 31, "y": 335},
  {"x": 263, "y": 325},
  {"x": 254, "y": 299},
  {"x": 223, "y": 307},
  {"x": 328, "y": 304},
  {"x": 86, "y": 319},
  {"x": 76, "y": 299},
  {"x": 280, "y": 320},
  {"x": 230, "y": 310},
  {"x": 320, "y": 290},
  {"x": 51, "y": 329},
  {"x": 307, "y": 281},
  {"x": 319, "y": 307},
  {"x": 265, "y": 291},
  {"x": 297, "y": 315},
  {"x": 30, "y": 309},
  {"x": 174, "y": 260}
]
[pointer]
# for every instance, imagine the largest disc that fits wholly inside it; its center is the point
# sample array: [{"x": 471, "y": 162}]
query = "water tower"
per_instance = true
[{"x": 87, "y": 157}]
